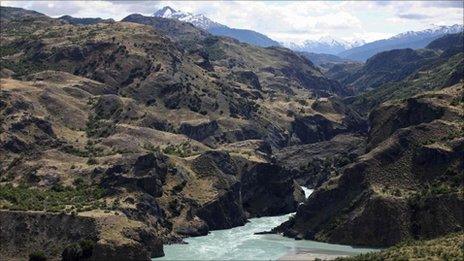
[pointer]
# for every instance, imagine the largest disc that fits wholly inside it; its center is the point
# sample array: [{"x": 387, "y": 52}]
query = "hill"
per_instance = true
[
  {"x": 83, "y": 21},
  {"x": 403, "y": 73},
  {"x": 322, "y": 58},
  {"x": 447, "y": 247}
]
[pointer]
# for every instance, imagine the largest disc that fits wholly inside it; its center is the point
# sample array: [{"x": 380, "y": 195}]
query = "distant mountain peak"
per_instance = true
[
  {"x": 203, "y": 22},
  {"x": 198, "y": 20},
  {"x": 330, "y": 39},
  {"x": 409, "y": 39},
  {"x": 165, "y": 12},
  {"x": 434, "y": 30},
  {"x": 326, "y": 44}
]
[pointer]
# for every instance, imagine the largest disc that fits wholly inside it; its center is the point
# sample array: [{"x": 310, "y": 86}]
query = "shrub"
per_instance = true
[
  {"x": 37, "y": 256},
  {"x": 78, "y": 182},
  {"x": 52, "y": 200},
  {"x": 97, "y": 128},
  {"x": 72, "y": 252},
  {"x": 87, "y": 247},
  {"x": 91, "y": 161},
  {"x": 182, "y": 150}
]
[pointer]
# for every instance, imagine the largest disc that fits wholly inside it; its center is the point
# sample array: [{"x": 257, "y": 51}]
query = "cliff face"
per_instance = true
[
  {"x": 266, "y": 194},
  {"x": 409, "y": 185},
  {"x": 28, "y": 232}
]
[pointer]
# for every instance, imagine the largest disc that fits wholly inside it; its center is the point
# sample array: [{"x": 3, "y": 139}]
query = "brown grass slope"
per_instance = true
[{"x": 449, "y": 247}]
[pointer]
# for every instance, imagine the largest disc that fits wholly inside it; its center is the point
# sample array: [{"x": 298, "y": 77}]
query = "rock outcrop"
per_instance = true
[
  {"x": 313, "y": 164},
  {"x": 408, "y": 186},
  {"x": 52, "y": 234},
  {"x": 199, "y": 130},
  {"x": 269, "y": 190}
]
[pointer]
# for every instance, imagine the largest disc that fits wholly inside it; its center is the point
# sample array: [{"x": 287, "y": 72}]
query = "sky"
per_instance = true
[{"x": 285, "y": 21}]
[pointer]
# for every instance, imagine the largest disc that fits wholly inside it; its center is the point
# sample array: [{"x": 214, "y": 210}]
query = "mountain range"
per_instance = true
[
  {"x": 410, "y": 39},
  {"x": 201, "y": 21},
  {"x": 356, "y": 50},
  {"x": 326, "y": 44}
]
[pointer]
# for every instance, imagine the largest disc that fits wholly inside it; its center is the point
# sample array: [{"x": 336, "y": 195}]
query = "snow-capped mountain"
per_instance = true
[
  {"x": 326, "y": 44},
  {"x": 203, "y": 22},
  {"x": 410, "y": 39},
  {"x": 197, "y": 20},
  {"x": 435, "y": 30}
]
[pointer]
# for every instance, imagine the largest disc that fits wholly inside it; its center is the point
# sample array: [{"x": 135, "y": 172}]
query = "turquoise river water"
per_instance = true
[{"x": 240, "y": 243}]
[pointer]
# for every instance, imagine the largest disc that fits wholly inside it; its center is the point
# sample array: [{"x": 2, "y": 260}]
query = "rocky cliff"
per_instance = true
[
  {"x": 408, "y": 185},
  {"x": 108, "y": 236}
]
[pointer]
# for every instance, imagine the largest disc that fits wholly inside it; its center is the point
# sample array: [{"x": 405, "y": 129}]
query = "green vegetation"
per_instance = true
[
  {"x": 97, "y": 127},
  {"x": 6, "y": 50},
  {"x": 151, "y": 147},
  {"x": 450, "y": 247},
  {"x": 91, "y": 161},
  {"x": 183, "y": 150},
  {"x": 23, "y": 67},
  {"x": 87, "y": 247},
  {"x": 56, "y": 199},
  {"x": 72, "y": 252},
  {"x": 78, "y": 251},
  {"x": 90, "y": 151},
  {"x": 451, "y": 135},
  {"x": 76, "y": 151},
  {"x": 37, "y": 256}
]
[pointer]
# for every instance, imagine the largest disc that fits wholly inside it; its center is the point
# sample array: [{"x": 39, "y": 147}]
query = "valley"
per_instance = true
[{"x": 122, "y": 140}]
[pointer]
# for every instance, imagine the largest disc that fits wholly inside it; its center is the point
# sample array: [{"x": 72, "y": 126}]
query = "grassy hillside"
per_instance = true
[{"x": 450, "y": 247}]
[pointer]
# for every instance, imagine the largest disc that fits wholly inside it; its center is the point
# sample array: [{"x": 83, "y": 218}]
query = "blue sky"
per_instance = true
[{"x": 282, "y": 20}]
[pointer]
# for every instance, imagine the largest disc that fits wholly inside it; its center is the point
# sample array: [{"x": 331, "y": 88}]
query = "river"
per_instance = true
[{"x": 240, "y": 243}]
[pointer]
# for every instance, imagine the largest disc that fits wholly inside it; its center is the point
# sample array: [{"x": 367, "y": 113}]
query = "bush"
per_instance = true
[
  {"x": 87, "y": 247},
  {"x": 98, "y": 128},
  {"x": 78, "y": 182},
  {"x": 72, "y": 252},
  {"x": 52, "y": 200},
  {"x": 91, "y": 161},
  {"x": 183, "y": 149},
  {"x": 37, "y": 256}
]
